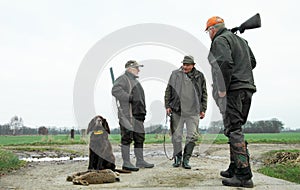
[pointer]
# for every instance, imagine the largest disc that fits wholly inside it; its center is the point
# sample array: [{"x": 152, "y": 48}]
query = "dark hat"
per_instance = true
[
  {"x": 132, "y": 63},
  {"x": 188, "y": 59}
]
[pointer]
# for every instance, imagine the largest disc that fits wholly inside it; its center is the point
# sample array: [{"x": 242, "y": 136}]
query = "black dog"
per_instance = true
[{"x": 100, "y": 150}]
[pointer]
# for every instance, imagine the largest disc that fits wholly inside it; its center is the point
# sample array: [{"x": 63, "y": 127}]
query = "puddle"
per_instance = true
[{"x": 51, "y": 159}]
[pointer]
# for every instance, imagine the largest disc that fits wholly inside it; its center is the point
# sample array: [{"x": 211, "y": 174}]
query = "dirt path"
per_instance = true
[{"x": 206, "y": 164}]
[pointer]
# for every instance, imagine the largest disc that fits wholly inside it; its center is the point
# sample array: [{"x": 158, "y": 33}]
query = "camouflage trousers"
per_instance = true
[
  {"x": 235, "y": 115},
  {"x": 239, "y": 154}
]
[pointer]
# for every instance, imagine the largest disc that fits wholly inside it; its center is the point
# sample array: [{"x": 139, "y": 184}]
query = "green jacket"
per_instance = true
[
  {"x": 172, "y": 99},
  {"x": 231, "y": 59}
]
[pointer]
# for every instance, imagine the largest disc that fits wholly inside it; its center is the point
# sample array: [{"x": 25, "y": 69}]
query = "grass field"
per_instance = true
[
  {"x": 289, "y": 138},
  {"x": 289, "y": 170},
  {"x": 40, "y": 140}
]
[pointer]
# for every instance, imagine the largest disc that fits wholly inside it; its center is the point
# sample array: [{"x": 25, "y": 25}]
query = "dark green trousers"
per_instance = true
[
  {"x": 235, "y": 111},
  {"x": 137, "y": 135}
]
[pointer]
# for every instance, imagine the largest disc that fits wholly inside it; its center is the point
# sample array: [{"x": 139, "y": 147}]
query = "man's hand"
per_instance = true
[
  {"x": 202, "y": 115},
  {"x": 222, "y": 94},
  {"x": 169, "y": 111}
]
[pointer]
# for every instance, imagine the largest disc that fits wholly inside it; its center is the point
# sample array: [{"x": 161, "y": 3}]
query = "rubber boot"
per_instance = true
[
  {"x": 140, "y": 162},
  {"x": 177, "y": 154},
  {"x": 177, "y": 161},
  {"x": 185, "y": 164},
  {"x": 242, "y": 178},
  {"x": 127, "y": 165},
  {"x": 188, "y": 150}
]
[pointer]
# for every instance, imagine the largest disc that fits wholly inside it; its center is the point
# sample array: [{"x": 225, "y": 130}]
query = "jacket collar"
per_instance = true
[
  {"x": 130, "y": 75},
  {"x": 219, "y": 33},
  {"x": 193, "y": 74}
]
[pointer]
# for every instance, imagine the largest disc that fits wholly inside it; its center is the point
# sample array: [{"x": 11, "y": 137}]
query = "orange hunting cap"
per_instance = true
[{"x": 213, "y": 21}]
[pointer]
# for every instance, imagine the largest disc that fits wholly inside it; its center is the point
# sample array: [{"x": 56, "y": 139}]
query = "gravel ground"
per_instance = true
[{"x": 206, "y": 164}]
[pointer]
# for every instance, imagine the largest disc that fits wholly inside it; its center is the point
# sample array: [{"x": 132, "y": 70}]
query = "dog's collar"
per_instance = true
[{"x": 99, "y": 132}]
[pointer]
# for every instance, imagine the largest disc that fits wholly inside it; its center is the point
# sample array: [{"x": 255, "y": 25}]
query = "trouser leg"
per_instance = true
[
  {"x": 235, "y": 115},
  {"x": 240, "y": 155},
  {"x": 177, "y": 132},
  {"x": 192, "y": 123},
  {"x": 231, "y": 169}
]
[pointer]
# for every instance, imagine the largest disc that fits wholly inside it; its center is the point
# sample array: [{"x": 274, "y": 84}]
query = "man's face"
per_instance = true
[
  {"x": 211, "y": 31},
  {"x": 134, "y": 70},
  {"x": 187, "y": 67}
]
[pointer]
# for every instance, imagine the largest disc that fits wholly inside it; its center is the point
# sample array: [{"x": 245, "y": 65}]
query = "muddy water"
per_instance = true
[{"x": 50, "y": 159}]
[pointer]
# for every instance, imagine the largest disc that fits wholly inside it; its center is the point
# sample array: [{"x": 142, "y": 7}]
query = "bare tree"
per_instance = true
[{"x": 15, "y": 124}]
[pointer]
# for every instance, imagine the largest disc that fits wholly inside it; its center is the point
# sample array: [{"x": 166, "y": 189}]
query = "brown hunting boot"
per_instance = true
[
  {"x": 242, "y": 178},
  {"x": 236, "y": 182}
]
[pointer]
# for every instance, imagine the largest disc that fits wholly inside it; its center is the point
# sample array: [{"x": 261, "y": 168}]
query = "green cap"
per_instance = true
[
  {"x": 188, "y": 59},
  {"x": 132, "y": 63}
]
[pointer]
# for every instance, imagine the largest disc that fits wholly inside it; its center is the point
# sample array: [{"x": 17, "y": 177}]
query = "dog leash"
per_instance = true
[{"x": 164, "y": 144}]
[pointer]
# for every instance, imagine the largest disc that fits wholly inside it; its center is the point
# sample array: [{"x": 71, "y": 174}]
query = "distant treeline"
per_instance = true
[
  {"x": 215, "y": 127},
  {"x": 6, "y": 129},
  {"x": 153, "y": 129},
  {"x": 263, "y": 126}
]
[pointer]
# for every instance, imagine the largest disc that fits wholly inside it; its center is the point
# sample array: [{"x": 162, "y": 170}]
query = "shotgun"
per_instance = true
[{"x": 251, "y": 23}]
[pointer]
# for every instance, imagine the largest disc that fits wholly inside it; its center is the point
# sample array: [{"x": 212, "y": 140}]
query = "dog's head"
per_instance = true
[{"x": 98, "y": 123}]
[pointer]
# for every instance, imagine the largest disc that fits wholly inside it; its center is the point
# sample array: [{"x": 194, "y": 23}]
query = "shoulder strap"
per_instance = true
[{"x": 130, "y": 105}]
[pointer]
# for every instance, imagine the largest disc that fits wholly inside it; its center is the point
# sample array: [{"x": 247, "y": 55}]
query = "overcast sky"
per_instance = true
[{"x": 43, "y": 44}]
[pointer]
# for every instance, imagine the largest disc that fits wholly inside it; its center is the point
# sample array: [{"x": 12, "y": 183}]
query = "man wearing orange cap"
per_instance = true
[{"x": 232, "y": 62}]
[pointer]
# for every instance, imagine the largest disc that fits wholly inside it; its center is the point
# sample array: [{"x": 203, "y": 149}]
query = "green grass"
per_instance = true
[
  {"x": 9, "y": 161},
  {"x": 287, "y": 171},
  {"x": 288, "y": 138},
  {"x": 281, "y": 138},
  {"x": 40, "y": 140}
]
